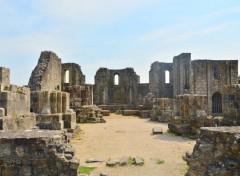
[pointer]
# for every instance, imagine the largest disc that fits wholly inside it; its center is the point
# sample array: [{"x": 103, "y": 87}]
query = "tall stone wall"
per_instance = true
[
  {"x": 143, "y": 90},
  {"x": 181, "y": 74},
  {"x": 36, "y": 152},
  {"x": 208, "y": 76},
  {"x": 4, "y": 76},
  {"x": 108, "y": 92},
  {"x": 47, "y": 74},
  {"x": 76, "y": 77},
  {"x": 217, "y": 152},
  {"x": 158, "y": 82}
]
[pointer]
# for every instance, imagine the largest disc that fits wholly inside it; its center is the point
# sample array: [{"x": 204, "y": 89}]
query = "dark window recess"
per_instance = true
[
  {"x": 217, "y": 103},
  {"x": 231, "y": 97},
  {"x": 236, "y": 105},
  {"x": 216, "y": 73}
]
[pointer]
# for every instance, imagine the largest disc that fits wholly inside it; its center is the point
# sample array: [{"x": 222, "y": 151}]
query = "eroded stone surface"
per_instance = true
[
  {"x": 36, "y": 152},
  {"x": 217, "y": 152}
]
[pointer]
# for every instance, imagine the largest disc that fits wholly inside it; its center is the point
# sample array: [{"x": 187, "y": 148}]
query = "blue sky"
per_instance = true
[{"x": 115, "y": 33}]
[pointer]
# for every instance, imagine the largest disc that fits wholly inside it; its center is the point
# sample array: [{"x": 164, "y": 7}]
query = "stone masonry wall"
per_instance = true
[
  {"x": 76, "y": 77},
  {"x": 143, "y": 90},
  {"x": 15, "y": 100},
  {"x": 216, "y": 153},
  {"x": 157, "y": 80},
  {"x": 231, "y": 104},
  {"x": 80, "y": 95},
  {"x": 188, "y": 104},
  {"x": 47, "y": 74},
  {"x": 107, "y": 92},
  {"x": 162, "y": 109},
  {"x": 181, "y": 73},
  {"x": 4, "y": 76},
  {"x": 50, "y": 102},
  {"x": 36, "y": 153},
  {"x": 208, "y": 76}
]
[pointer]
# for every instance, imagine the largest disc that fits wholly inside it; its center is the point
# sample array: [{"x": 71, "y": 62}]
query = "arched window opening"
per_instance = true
[
  {"x": 66, "y": 78},
  {"x": 116, "y": 80},
  {"x": 217, "y": 103},
  {"x": 167, "y": 77}
]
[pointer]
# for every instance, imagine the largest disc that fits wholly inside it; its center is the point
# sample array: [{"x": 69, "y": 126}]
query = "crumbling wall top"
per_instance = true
[{"x": 47, "y": 73}]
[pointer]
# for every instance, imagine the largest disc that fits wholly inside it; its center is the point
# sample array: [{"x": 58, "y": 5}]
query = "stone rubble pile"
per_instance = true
[
  {"x": 216, "y": 153},
  {"x": 90, "y": 114}
]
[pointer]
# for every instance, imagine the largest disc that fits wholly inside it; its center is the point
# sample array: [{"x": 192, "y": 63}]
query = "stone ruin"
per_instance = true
[
  {"x": 36, "y": 152},
  {"x": 14, "y": 105},
  {"x": 26, "y": 150},
  {"x": 217, "y": 152},
  {"x": 187, "y": 94},
  {"x": 50, "y": 104},
  {"x": 81, "y": 94}
]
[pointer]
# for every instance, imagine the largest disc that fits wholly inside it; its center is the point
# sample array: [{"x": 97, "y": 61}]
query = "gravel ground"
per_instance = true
[{"x": 132, "y": 136}]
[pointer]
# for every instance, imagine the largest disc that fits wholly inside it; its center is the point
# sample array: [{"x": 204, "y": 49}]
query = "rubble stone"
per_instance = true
[
  {"x": 35, "y": 152},
  {"x": 217, "y": 152}
]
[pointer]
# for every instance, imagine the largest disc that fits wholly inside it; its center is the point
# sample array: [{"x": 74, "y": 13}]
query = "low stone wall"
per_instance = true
[
  {"x": 114, "y": 108},
  {"x": 144, "y": 113},
  {"x": 50, "y": 102},
  {"x": 130, "y": 112},
  {"x": 14, "y": 99},
  {"x": 36, "y": 152},
  {"x": 188, "y": 104},
  {"x": 231, "y": 105},
  {"x": 105, "y": 112},
  {"x": 17, "y": 122},
  {"x": 56, "y": 121},
  {"x": 216, "y": 153},
  {"x": 162, "y": 109}
]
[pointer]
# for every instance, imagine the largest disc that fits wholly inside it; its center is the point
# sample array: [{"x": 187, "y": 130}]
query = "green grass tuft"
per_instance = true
[
  {"x": 160, "y": 161},
  {"x": 86, "y": 169}
]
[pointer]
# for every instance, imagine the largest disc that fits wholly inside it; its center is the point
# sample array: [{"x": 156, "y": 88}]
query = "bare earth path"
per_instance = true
[{"x": 131, "y": 136}]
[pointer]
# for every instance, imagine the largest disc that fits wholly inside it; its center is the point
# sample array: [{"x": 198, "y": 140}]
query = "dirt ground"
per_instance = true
[{"x": 132, "y": 136}]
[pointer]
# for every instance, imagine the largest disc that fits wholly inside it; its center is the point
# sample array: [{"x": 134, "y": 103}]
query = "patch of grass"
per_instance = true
[
  {"x": 172, "y": 132},
  {"x": 191, "y": 136},
  {"x": 159, "y": 161},
  {"x": 130, "y": 160},
  {"x": 86, "y": 169}
]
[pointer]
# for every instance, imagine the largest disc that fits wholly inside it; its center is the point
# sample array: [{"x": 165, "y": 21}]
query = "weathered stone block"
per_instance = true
[
  {"x": 130, "y": 112},
  {"x": 2, "y": 112},
  {"x": 217, "y": 152},
  {"x": 180, "y": 128}
]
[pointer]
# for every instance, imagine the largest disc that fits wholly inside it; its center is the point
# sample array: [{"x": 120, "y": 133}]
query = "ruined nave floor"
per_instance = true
[{"x": 131, "y": 136}]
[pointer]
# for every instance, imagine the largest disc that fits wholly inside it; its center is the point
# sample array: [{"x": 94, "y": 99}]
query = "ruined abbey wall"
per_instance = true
[
  {"x": 208, "y": 76},
  {"x": 47, "y": 74},
  {"x": 181, "y": 73},
  {"x": 36, "y": 152},
  {"x": 158, "y": 83},
  {"x": 76, "y": 77},
  {"x": 106, "y": 91}
]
